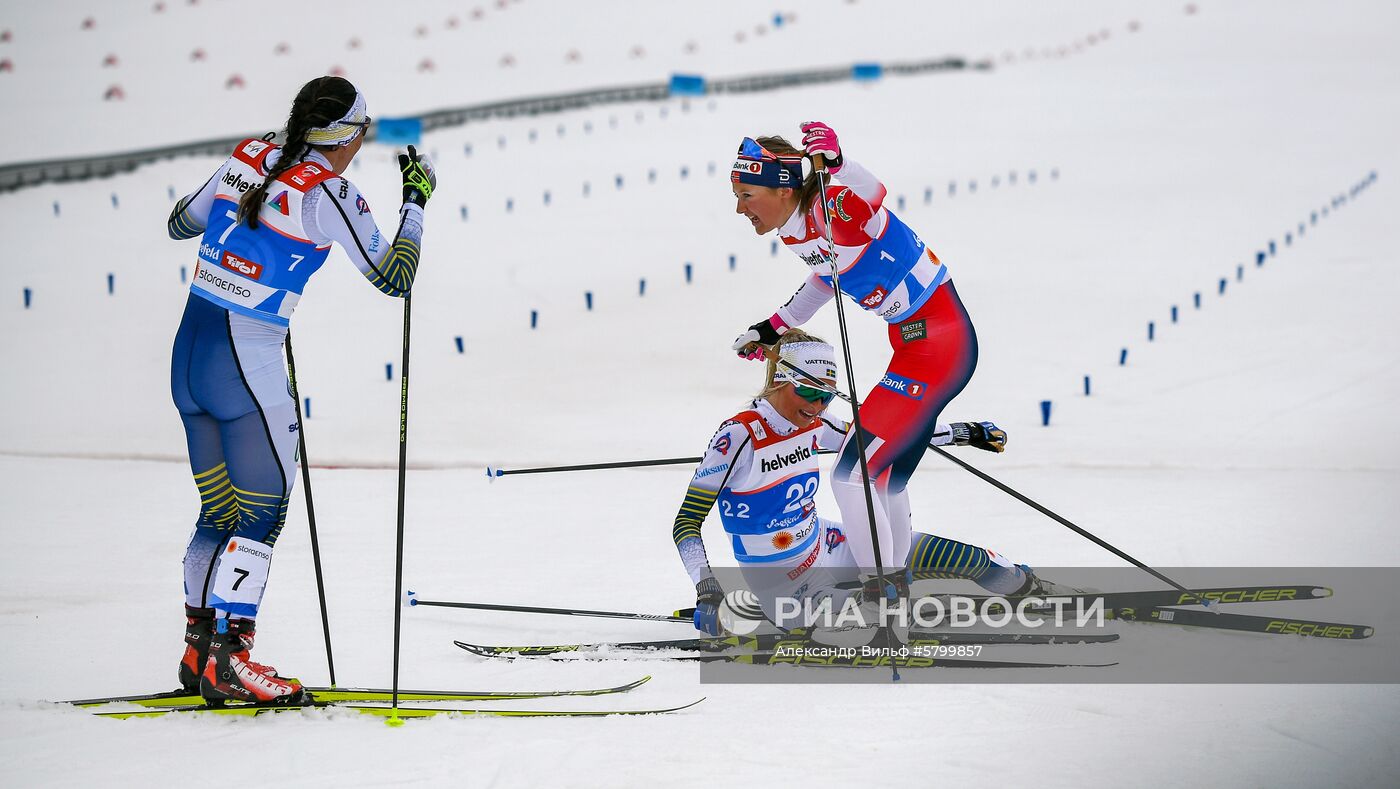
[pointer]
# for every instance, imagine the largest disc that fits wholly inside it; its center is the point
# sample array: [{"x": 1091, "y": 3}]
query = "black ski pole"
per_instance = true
[
  {"x": 816, "y": 382},
  {"x": 819, "y": 164},
  {"x": 493, "y": 472},
  {"x": 530, "y": 609},
  {"x": 393, "y": 719},
  {"x": 310, "y": 505},
  {"x": 1069, "y": 525}
]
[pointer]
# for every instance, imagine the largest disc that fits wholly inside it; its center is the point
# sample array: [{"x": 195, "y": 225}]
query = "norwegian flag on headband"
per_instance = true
[{"x": 759, "y": 166}]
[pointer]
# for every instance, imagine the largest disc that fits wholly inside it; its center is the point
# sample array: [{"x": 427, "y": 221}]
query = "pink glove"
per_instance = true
[
  {"x": 820, "y": 139},
  {"x": 749, "y": 345}
]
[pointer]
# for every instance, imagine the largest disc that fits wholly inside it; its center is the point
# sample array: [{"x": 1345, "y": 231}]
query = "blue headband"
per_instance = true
[{"x": 759, "y": 166}]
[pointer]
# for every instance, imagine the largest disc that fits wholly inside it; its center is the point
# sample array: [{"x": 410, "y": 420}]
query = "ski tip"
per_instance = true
[
  {"x": 1321, "y": 591},
  {"x": 481, "y": 651}
]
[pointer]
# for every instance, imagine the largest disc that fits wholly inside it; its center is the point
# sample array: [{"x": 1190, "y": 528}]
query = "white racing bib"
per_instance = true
[{"x": 241, "y": 576}]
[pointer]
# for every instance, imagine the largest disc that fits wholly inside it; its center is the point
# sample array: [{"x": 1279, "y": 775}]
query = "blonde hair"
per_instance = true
[{"x": 791, "y": 335}]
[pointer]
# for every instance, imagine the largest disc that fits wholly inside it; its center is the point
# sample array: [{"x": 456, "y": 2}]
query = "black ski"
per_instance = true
[
  {"x": 1197, "y": 617},
  {"x": 764, "y": 641},
  {"x": 1171, "y": 597}
]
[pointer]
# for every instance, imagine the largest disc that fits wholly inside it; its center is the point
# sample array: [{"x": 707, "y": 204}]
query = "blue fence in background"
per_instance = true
[{"x": 18, "y": 176}]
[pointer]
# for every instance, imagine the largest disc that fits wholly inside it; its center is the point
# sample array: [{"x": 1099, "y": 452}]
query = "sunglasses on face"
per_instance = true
[{"x": 814, "y": 395}]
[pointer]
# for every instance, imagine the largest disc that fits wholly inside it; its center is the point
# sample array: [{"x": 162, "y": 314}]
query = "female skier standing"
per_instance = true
[
  {"x": 267, "y": 218},
  {"x": 885, "y": 268}
]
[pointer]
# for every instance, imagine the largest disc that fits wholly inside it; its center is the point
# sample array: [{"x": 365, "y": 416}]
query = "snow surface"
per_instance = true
[{"x": 1259, "y": 430}]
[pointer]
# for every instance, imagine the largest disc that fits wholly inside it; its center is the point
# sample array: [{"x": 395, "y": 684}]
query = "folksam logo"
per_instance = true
[{"x": 905, "y": 386}]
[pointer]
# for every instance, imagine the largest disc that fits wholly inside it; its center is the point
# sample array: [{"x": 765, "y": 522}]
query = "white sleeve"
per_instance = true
[
  {"x": 338, "y": 212},
  {"x": 191, "y": 214},
  {"x": 812, "y": 296},
  {"x": 864, "y": 183},
  {"x": 942, "y": 436},
  {"x": 727, "y": 452},
  {"x": 832, "y": 433}
]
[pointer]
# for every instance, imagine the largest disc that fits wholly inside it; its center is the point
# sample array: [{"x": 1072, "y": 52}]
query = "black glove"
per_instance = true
[
  {"x": 982, "y": 435},
  {"x": 419, "y": 177},
  {"x": 761, "y": 333},
  {"x": 708, "y": 596}
]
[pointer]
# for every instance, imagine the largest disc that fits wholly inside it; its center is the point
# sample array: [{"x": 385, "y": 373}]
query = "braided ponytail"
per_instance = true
[{"x": 320, "y": 102}]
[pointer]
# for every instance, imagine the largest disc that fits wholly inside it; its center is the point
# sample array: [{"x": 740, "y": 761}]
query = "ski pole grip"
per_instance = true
[{"x": 818, "y": 163}]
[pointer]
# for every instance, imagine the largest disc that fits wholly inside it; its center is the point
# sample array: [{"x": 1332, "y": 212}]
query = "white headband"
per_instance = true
[
  {"x": 343, "y": 131},
  {"x": 812, "y": 358}
]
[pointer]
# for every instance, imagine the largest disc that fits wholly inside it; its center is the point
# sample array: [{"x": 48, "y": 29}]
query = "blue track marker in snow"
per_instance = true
[
  {"x": 1222, "y": 285},
  {"x": 546, "y": 197},
  {"x": 642, "y": 287},
  {"x": 1086, "y": 386},
  {"x": 731, "y": 263},
  {"x": 55, "y": 208},
  {"x": 1151, "y": 331},
  {"x": 183, "y": 275},
  {"x": 1044, "y": 413},
  {"x": 27, "y": 295},
  {"x": 464, "y": 213},
  {"x": 458, "y": 340},
  {"x": 588, "y": 300},
  {"x": 534, "y": 318},
  {"x": 306, "y": 408},
  {"x": 688, "y": 272},
  {"x": 1259, "y": 258},
  {"x": 774, "y": 249},
  {"x": 1122, "y": 357},
  {"x": 1273, "y": 248},
  {"x": 115, "y": 202},
  {"x": 389, "y": 371},
  {"x": 1196, "y": 297},
  {"x": 1239, "y": 273},
  {"x": 111, "y": 284},
  {"x": 510, "y": 204},
  {"x": 1173, "y": 313}
]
